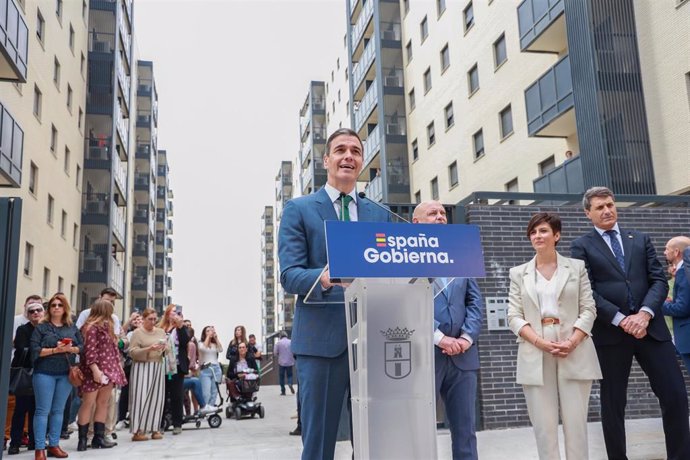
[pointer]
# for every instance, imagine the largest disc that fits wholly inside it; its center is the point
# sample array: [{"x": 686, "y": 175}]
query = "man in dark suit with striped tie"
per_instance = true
[{"x": 629, "y": 287}]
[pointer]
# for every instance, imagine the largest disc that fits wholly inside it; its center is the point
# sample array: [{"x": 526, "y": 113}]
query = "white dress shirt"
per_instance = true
[{"x": 334, "y": 195}]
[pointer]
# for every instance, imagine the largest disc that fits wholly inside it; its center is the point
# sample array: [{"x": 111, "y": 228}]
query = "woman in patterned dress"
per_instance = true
[
  {"x": 147, "y": 383},
  {"x": 100, "y": 364}
]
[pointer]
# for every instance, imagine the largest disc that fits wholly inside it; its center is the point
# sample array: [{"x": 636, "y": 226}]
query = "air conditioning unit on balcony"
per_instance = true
[
  {"x": 93, "y": 264},
  {"x": 393, "y": 129},
  {"x": 96, "y": 207},
  {"x": 389, "y": 35},
  {"x": 101, "y": 47},
  {"x": 393, "y": 80},
  {"x": 97, "y": 153}
]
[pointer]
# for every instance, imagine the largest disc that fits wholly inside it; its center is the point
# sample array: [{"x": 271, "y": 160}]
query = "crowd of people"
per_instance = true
[{"x": 95, "y": 376}]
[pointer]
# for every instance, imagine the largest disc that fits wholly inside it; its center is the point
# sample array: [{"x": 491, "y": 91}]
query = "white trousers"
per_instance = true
[{"x": 543, "y": 402}]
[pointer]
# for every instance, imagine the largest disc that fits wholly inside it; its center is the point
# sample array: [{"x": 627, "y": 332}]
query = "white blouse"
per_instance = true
[{"x": 546, "y": 294}]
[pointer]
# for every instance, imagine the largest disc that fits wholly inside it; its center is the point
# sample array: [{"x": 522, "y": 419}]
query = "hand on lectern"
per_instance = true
[{"x": 326, "y": 280}]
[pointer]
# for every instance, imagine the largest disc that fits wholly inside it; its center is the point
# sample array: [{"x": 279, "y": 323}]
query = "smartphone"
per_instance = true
[{"x": 66, "y": 341}]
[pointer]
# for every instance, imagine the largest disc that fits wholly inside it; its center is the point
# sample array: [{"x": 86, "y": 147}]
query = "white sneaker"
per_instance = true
[
  {"x": 72, "y": 427},
  {"x": 207, "y": 409},
  {"x": 120, "y": 425}
]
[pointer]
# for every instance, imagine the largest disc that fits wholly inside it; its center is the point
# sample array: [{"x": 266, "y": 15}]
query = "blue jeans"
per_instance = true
[
  {"x": 51, "y": 392},
  {"x": 193, "y": 383},
  {"x": 284, "y": 370},
  {"x": 209, "y": 377}
]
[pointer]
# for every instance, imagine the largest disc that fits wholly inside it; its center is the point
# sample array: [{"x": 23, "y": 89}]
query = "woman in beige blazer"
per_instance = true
[{"x": 552, "y": 311}]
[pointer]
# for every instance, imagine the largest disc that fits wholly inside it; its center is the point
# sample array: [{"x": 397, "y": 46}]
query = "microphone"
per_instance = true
[{"x": 364, "y": 196}]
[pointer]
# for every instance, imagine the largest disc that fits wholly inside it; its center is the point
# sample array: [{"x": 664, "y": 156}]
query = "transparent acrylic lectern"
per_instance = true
[{"x": 390, "y": 335}]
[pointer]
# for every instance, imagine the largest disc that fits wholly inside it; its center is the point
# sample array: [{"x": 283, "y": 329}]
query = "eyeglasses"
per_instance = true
[
  {"x": 35, "y": 310},
  {"x": 151, "y": 318},
  {"x": 56, "y": 305}
]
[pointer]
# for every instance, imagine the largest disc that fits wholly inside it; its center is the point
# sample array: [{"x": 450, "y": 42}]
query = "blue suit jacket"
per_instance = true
[
  {"x": 643, "y": 274},
  {"x": 317, "y": 329},
  {"x": 679, "y": 309},
  {"x": 464, "y": 302},
  {"x": 686, "y": 262}
]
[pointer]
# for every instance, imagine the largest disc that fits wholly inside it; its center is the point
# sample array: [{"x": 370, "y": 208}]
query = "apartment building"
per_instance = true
[
  {"x": 108, "y": 153},
  {"x": 285, "y": 303},
  {"x": 268, "y": 275},
  {"x": 312, "y": 128},
  {"x": 143, "y": 263},
  {"x": 164, "y": 231},
  {"x": 42, "y": 136}
]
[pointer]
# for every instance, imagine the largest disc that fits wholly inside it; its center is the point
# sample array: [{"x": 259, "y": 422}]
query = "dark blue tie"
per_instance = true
[{"x": 616, "y": 246}]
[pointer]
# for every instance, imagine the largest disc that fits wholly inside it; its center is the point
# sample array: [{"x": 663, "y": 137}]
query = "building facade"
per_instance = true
[
  {"x": 145, "y": 190},
  {"x": 312, "y": 130},
  {"x": 164, "y": 231},
  {"x": 42, "y": 137},
  {"x": 109, "y": 152},
  {"x": 285, "y": 303},
  {"x": 268, "y": 274}
]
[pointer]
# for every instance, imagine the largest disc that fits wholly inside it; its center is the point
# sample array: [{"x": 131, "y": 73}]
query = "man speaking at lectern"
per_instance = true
[
  {"x": 457, "y": 321},
  {"x": 319, "y": 336}
]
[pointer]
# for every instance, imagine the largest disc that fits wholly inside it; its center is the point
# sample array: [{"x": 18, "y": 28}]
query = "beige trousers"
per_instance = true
[{"x": 543, "y": 402}]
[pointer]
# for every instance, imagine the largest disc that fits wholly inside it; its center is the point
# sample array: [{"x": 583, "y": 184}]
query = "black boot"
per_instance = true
[
  {"x": 99, "y": 441},
  {"x": 83, "y": 439}
]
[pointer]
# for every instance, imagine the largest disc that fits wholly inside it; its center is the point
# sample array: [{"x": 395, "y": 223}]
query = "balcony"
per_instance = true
[
  {"x": 11, "y": 150},
  {"x": 549, "y": 102},
  {"x": 101, "y": 42},
  {"x": 143, "y": 152},
  {"x": 97, "y": 151},
  {"x": 95, "y": 208},
  {"x": 360, "y": 69},
  {"x": 125, "y": 35},
  {"x": 141, "y": 214},
  {"x": 371, "y": 146},
  {"x": 14, "y": 43},
  {"x": 124, "y": 80},
  {"x": 305, "y": 154},
  {"x": 118, "y": 220},
  {"x": 169, "y": 246},
  {"x": 145, "y": 87},
  {"x": 566, "y": 178},
  {"x": 306, "y": 178},
  {"x": 139, "y": 283},
  {"x": 390, "y": 32},
  {"x": 169, "y": 227},
  {"x": 142, "y": 181},
  {"x": 374, "y": 189},
  {"x": 144, "y": 119},
  {"x": 92, "y": 266},
  {"x": 366, "y": 105},
  {"x": 542, "y": 26},
  {"x": 120, "y": 173},
  {"x": 117, "y": 275},
  {"x": 362, "y": 22}
]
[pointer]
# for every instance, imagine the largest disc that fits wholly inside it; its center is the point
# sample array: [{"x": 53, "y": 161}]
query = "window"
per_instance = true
[
  {"x": 434, "y": 188},
  {"x": 450, "y": 118},
  {"x": 415, "y": 150},
  {"x": 61, "y": 284},
  {"x": 75, "y": 235},
  {"x": 78, "y": 177},
  {"x": 71, "y": 38},
  {"x": 506, "y": 119},
  {"x": 53, "y": 139},
  {"x": 46, "y": 282},
  {"x": 406, "y": 6},
  {"x": 80, "y": 118},
  {"x": 453, "y": 174},
  {"x": 28, "y": 258},
  {"x": 71, "y": 294},
  {"x": 56, "y": 73},
  {"x": 68, "y": 157},
  {"x": 82, "y": 65},
  {"x": 424, "y": 29},
  {"x": 338, "y": 95},
  {"x": 473, "y": 79},
  {"x": 69, "y": 98},
  {"x": 38, "y": 100},
  {"x": 411, "y": 100},
  {"x": 337, "y": 64},
  {"x": 33, "y": 178},
  {"x": 408, "y": 51},
  {"x": 445, "y": 58},
  {"x": 512, "y": 186},
  {"x": 58, "y": 9},
  {"x": 468, "y": 16},
  {"x": 417, "y": 196},
  {"x": 63, "y": 224},
  {"x": 478, "y": 142},
  {"x": 440, "y": 6},
  {"x": 51, "y": 209},
  {"x": 500, "y": 53},
  {"x": 431, "y": 134},
  {"x": 84, "y": 10},
  {"x": 427, "y": 80},
  {"x": 40, "y": 27},
  {"x": 547, "y": 165}
]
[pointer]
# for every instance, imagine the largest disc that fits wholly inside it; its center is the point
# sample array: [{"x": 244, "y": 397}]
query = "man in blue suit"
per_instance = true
[
  {"x": 457, "y": 321},
  {"x": 629, "y": 287},
  {"x": 319, "y": 337},
  {"x": 679, "y": 307}
]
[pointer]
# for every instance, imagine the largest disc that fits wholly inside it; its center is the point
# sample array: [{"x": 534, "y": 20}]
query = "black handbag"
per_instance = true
[{"x": 21, "y": 379}]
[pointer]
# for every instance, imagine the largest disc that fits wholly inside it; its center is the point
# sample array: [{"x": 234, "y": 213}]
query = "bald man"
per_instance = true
[
  {"x": 679, "y": 307},
  {"x": 457, "y": 321}
]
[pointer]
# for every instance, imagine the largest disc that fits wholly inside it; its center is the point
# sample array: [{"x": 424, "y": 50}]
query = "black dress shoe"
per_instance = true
[
  {"x": 297, "y": 431},
  {"x": 12, "y": 450}
]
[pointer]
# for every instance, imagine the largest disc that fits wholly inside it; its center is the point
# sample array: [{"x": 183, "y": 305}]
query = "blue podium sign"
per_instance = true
[{"x": 392, "y": 250}]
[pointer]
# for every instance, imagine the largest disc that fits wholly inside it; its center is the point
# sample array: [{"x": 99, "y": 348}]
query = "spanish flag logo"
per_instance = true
[{"x": 381, "y": 240}]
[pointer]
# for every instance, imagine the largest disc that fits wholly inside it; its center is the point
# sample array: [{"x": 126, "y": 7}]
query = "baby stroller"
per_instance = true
[
  {"x": 213, "y": 419},
  {"x": 243, "y": 403}
]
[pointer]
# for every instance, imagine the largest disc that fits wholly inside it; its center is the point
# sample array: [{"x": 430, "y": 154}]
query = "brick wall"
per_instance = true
[{"x": 501, "y": 402}]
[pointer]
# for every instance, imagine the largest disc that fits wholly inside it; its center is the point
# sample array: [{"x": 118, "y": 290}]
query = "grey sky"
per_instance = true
[{"x": 231, "y": 76}]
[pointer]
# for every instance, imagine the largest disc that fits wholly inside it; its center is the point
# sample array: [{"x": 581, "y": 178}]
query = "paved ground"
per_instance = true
[{"x": 268, "y": 439}]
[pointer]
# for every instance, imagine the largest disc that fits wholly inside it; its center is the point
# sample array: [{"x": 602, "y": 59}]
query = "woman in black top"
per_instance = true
[
  {"x": 54, "y": 343},
  {"x": 24, "y": 402}
]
